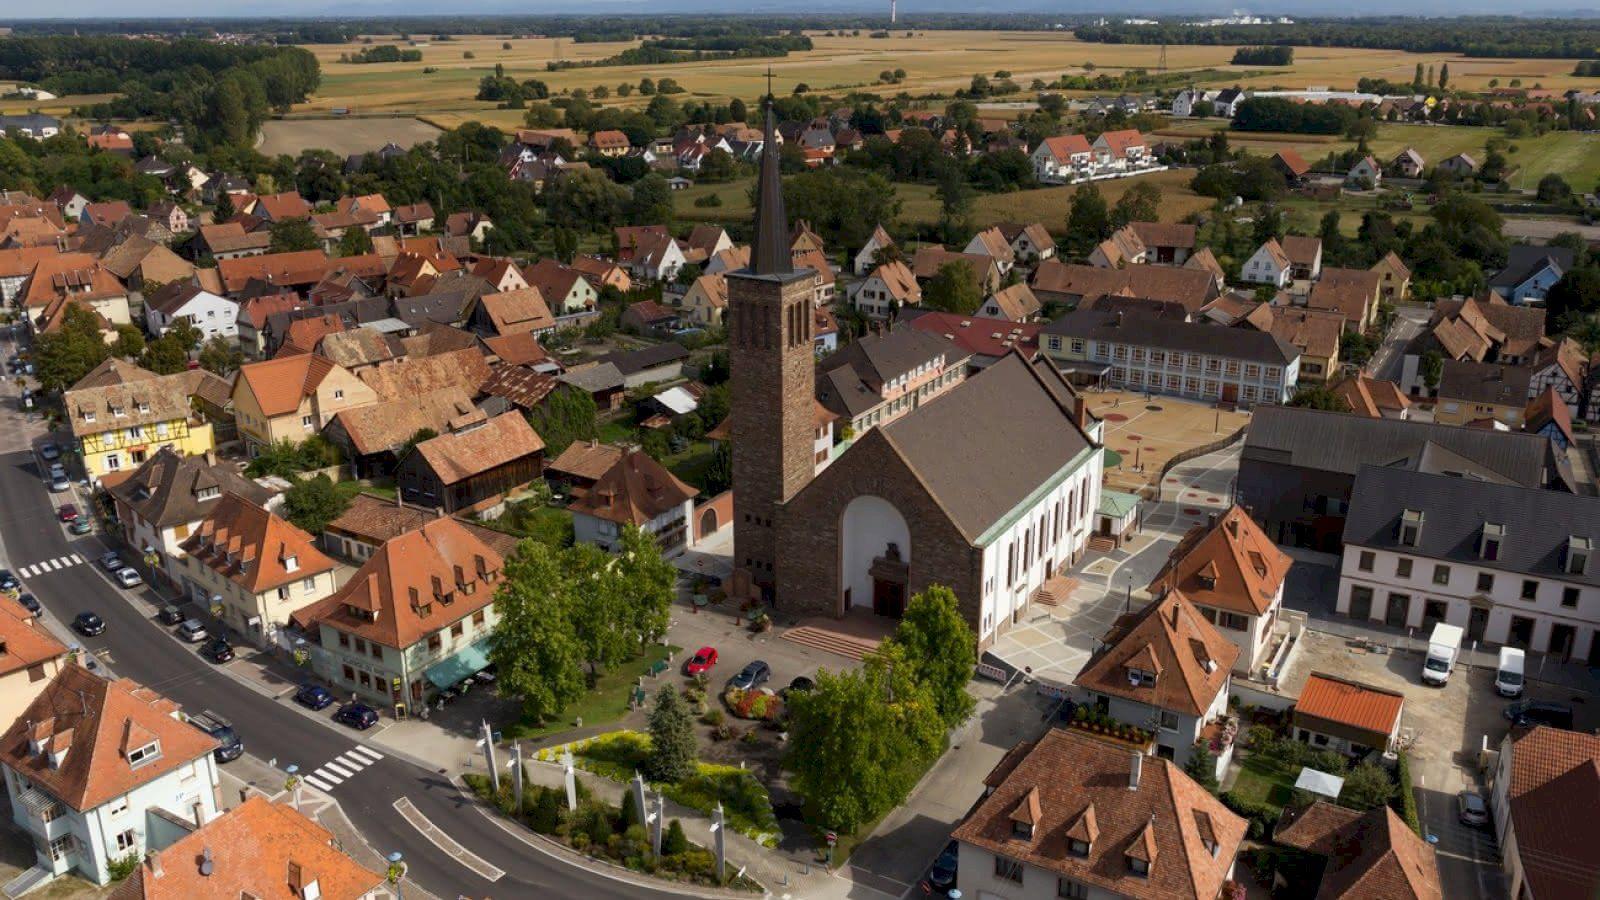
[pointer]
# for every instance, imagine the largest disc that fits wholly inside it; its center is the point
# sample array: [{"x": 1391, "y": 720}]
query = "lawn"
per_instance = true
[
  {"x": 605, "y": 702},
  {"x": 1264, "y": 780},
  {"x": 618, "y": 431},
  {"x": 691, "y": 465}
]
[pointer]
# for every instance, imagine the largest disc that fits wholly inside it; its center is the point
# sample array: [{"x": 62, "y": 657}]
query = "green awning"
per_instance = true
[
  {"x": 1117, "y": 504},
  {"x": 451, "y": 671}
]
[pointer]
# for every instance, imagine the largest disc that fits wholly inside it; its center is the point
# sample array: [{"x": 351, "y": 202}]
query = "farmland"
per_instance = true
[{"x": 342, "y": 136}]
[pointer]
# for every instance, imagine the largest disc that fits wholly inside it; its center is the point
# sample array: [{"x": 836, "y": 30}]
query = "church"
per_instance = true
[{"x": 988, "y": 489}]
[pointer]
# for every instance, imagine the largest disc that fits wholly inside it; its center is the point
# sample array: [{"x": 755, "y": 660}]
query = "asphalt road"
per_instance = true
[{"x": 136, "y": 646}]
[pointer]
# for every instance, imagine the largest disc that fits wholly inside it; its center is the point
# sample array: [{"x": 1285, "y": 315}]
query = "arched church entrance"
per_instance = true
[{"x": 874, "y": 557}]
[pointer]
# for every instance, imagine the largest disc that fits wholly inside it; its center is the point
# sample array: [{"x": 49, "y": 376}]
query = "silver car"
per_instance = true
[
  {"x": 1471, "y": 809},
  {"x": 129, "y": 577},
  {"x": 193, "y": 631}
]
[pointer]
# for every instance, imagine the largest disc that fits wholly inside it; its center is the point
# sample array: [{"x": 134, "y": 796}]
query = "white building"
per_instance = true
[
  {"x": 1511, "y": 565},
  {"x": 214, "y": 316},
  {"x": 865, "y": 259},
  {"x": 1268, "y": 265},
  {"x": 887, "y": 289},
  {"x": 93, "y": 767},
  {"x": 636, "y": 491},
  {"x": 1064, "y": 159}
]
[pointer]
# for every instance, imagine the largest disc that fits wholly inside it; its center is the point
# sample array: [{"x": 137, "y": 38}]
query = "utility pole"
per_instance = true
[
  {"x": 570, "y": 778},
  {"x": 719, "y": 844},
  {"x": 488, "y": 753},
  {"x": 516, "y": 771}
]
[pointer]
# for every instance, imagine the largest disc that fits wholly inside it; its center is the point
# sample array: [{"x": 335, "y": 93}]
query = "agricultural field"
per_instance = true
[
  {"x": 343, "y": 136},
  {"x": 1574, "y": 155},
  {"x": 920, "y": 203}
]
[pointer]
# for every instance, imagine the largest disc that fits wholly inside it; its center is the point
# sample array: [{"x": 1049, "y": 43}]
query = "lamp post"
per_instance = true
[
  {"x": 292, "y": 784},
  {"x": 397, "y": 872},
  {"x": 1127, "y": 602}
]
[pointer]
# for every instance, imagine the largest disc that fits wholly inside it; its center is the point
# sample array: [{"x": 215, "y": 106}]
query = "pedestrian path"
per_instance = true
[
  {"x": 50, "y": 565},
  {"x": 336, "y": 771}
]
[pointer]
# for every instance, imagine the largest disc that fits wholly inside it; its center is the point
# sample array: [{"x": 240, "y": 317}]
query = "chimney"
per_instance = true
[
  {"x": 1080, "y": 412},
  {"x": 152, "y": 863},
  {"x": 1211, "y": 520},
  {"x": 198, "y": 813},
  {"x": 211, "y": 457},
  {"x": 1136, "y": 766}
]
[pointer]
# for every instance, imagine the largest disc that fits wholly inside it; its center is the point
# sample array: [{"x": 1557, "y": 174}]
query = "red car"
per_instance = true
[
  {"x": 701, "y": 662},
  {"x": 67, "y": 513}
]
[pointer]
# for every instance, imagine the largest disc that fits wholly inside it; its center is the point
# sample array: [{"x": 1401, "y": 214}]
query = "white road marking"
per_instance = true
[
  {"x": 52, "y": 564},
  {"x": 354, "y": 762},
  {"x": 314, "y": 782},
  {"x": 323, "y": 773},
  {"x": 366, "y": 751},
  {"x": 64, "y": 561},
  {"x": 337, "y": 769},
  {"x": 444, "y": 842},
  {"x": 76, "y": 559},
  {"x": 26, "y": 572}
]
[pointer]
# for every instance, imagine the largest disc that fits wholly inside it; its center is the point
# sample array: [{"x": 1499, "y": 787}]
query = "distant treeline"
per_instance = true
[
  {"x": 1491, "y": 37},
  {"x": 1280, "y": 114},
  {"x": 220, "y": 92},
  {"x": 695, "y": 49},
  {"x": 382, "y": 53},
  {"x": 1282, "y": 55}
]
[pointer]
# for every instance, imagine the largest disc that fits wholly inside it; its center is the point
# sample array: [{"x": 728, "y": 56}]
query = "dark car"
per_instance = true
[
  {"x": 357, "y": 715},
  {"x": 8, "y": 581},
  {"x": 89, "y": 624},
  {"x": 68, "y": 512},
  {"x": 218, "y": 650},
  {"x": 229, "y": 745},
  {"x": 942, "y": 875},
  {"x": 313, "y": 696},
  {"x": 170, "y": 614},
  {"x": 799, "y": 685},
  {"x": 1528, "y": 713},
  {"x": 1471, "y": 810},
  {"x": 30, "y": 603},
  {"x": 752, "y": 676}
]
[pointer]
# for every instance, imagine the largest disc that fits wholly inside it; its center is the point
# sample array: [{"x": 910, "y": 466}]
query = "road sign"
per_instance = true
[{"x": 831, "y": 838}]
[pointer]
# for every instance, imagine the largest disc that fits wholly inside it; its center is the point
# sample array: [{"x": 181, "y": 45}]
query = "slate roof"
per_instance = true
[
  {"x": 1538, "y": 523},
  {"x": 1486, "y": 383},
  {"x": 631, "y": 362},
  {"x": 1523, "y": 261},
  {"x": 1137, "y": 327},
  {"x": 1340, "y": 442},
  {"x": 172, "y": 489}
]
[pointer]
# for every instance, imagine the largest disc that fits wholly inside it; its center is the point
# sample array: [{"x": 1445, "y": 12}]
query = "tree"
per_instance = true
[
  {"x": 355, "y": 242},
  {"x": 293, "y": 234},
  {"x": 953, "y": 288},
  {"x": 1577, "y": 293},
  {"x": 842, "y": 203},
  {"x": 1416, "y": 80},
  {"x": 129, "y": 343},
  {"x": 311, "y": 503},
  {"x": 651, "y": 201},
  {"x": 1141, "y": 203},
  {"x": 536, "y": 655},
  {"x": 1202, "y": 767},
  {"x": 1088, "y": 222},
  {"x": 421, "y": 434},
  {"x": 224, "y": 209},
  {"x": 647, "y": 582},
  {"x": 169, "y": 354},
  {"x": 1317, "y": 396},
  {"x": 674, "y": 841},
  {"x": 1268, "y": 225},
  {"x": 221, "y": 356},
  {"x": 672, "y": 746},
  {"x": 1554, "y": 189},
  {"x": 1444, "y": 75},
  {"x": 940, "y": 649},
  {"x": 1367, "y": 786},
  {"x": 1431, "y": 367},
  {"x": 567, "y": 415},
  {"x": 62, "y": 357},
  {"x": 588, "y": 200}
]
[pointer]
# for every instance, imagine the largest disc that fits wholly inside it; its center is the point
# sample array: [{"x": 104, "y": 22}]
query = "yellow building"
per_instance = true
[
  {"x": 121, "y": 414},
  {"x": 293, "y": 398},
  {"x": 32, "y": 657}
]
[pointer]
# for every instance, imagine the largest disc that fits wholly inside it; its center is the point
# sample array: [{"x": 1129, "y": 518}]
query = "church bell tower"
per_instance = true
[{"x": 770, "y": 320}]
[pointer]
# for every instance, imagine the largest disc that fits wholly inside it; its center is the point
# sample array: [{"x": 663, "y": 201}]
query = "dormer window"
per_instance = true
[
  {"x": 208, "y": 493},
  {"x": 144, "y": 407},
  {"x": 1141, "y": 677},
  {"x": 117, "y": 411},
  {"x": 1022, "y": 830},
  {"x": 1078, "y": 848},
  {"x": 1410, "y": 527},
  {"x": 1578, "y": 549},
  {"x": 88, "y": 415},
  {"x": 141, "y": 755},
  {"x": 291, "y": 563},
  {"x": 1138, "y": 867},
  {"x": 1489, "y": 542}
]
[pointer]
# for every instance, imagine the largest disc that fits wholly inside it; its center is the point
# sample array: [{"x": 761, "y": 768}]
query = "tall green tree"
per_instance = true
[
  {"x": 647, "y": 581},
  {"x": 221, "y": 356},
  {"x": 169, "y": 353},
  {"x": 567, "y": 415},
  {"x": 651, "y": 201},
  {"x": 311, "y": 503},
  {"x": 355, "y": 242},
  {"x": 1140, "y": 203},
  {"x": 537, "y": 657},
  {"x": 953, "y": 288},
  {"x": 1317, "y": 396},
  {"x": 129, "y": 343},
  {"x": 62, "y": 357},
  {"x": 1088, "y": 221},
  {"x": 941, "y": 650},
  {"x": 672, "y": 746},
  {"x": 600, "y": 623},
  {"x": 293, "y": 234}
]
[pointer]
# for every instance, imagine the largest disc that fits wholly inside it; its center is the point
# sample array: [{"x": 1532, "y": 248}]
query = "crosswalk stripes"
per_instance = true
[
  {"x": 50, "y": 565},
  {"x": 346, "y": 765}
]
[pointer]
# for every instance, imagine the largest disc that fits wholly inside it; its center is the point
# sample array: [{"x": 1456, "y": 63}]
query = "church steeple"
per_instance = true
[{"x": 770, "y": 253}]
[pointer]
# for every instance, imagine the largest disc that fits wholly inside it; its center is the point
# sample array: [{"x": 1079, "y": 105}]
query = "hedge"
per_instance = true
[
  {"x": 1405, "y": 801},
  {"x": 1263, "y": 817}
]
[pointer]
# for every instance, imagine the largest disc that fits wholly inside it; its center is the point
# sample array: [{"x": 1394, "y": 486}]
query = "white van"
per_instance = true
[{"x": 1508, "y": 674}]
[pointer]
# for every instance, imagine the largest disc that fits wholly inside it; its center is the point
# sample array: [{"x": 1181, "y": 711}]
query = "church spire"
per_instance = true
[{"x": 770, "y": 253}]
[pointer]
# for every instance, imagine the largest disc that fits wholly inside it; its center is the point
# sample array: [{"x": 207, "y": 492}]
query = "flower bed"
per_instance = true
[
  {"x": 1093, "y": 721},
  {"x": 617, "y": 755},
  {"x": 606, "y": 832},
  {"x": 757, "y": 704}
]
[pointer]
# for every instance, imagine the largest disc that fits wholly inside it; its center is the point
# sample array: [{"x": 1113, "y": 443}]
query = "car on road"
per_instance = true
[
  {"x": 230, "y": 746},
  {"x": 89, "y": 624},
  {"x": 1528, "y": 713},
  {"x": 49, "y": 451},
  {"x": 192, "y": 630},
  {"x": 313, "y": 696},
  {"x": 111, "y": 562},
  {"x": 83, "y": 525},
  {"x": 170, "y": 615},
  {"x": 59, "y": 484},
  {"x": 752, "y": 676},
  {"x": 68, "y": 512},
  {"x": 701, "y": 662},
  {"x": 218, "y": 650},
  {"x": 1471, "y": 809},
  {"x": 942, "y": 874},
  {"x": 129, "y": 577},
  {"x": 30, "y": 603},
  {"x": 8, "y": 580},
  {"x": 357, "y": 715}
]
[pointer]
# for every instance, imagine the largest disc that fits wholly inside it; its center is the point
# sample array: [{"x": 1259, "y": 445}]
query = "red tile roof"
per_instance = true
[
  {"x": 458, "y": 456},
  {"x": 981, "y": 336},
  {"x": 1554, "y": 787},
  {"x": 254, "y": 548},
  {"x": 1231, "y": 565},
  {"x": 633, "y": 491},
  {"x": 1351, "y": 703},
  {"x": 1169, "y": 638},
  {"x": 1370, "y": 855}
]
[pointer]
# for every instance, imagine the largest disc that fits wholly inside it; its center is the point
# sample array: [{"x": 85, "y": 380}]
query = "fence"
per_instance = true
[{"x": 1195, "y": 453}]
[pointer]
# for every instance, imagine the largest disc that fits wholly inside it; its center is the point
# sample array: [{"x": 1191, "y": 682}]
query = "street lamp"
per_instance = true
[
  {"x": 1127, "y": 602},
  {"x": 397, "y": 871}
]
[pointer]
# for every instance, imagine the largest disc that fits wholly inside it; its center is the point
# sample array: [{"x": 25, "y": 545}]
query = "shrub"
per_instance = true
[
  {"x": 1263, "y": 817},
  {"x": 545, "y": 809},
  {"x": 674, "y": 841},
  {"x": 1405, "y": 801},
  {"x": 1331, "y": 761},
  {"x": 1259, "y": 737},
  {"x": 713, "y": 717},
  {"x": 708, "y": 201}
]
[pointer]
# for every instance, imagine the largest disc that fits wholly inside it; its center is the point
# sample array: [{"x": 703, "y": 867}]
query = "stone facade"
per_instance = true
[{"x": 773, "y": 408}]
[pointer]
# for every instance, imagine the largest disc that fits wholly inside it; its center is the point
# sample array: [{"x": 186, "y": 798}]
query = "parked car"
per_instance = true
[
  {"x": 701, "y": 662},
  {"x": 68, "y": 512},
  {"x": 59, "y": 484},
  {"x": 357, "y": 715},
  {"x": 1471, "y": 809},
  {"x": 8, "y": 580},
  {"x": 89, "y": 624},
  {"x": 30, "y": 603},
  {"x": 218, "y": 650},
  {"x": 313, "y": 696},
  {"x": 81, "y": 525},
  {"x": 942, "y": 875},
  {"x": 49, "y": 451},
  {"x": 192, "y": 630},
  {"x": 129, "y": 577},
  {"x": 230, "y": 746},
  {"x": 752, "y": 676},
  {"x": 1528, "y": 713},
  {"x": 111, "y": 562},
  {"x": 799, "y": 685},
  {"x": 170, "y": 614}
]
